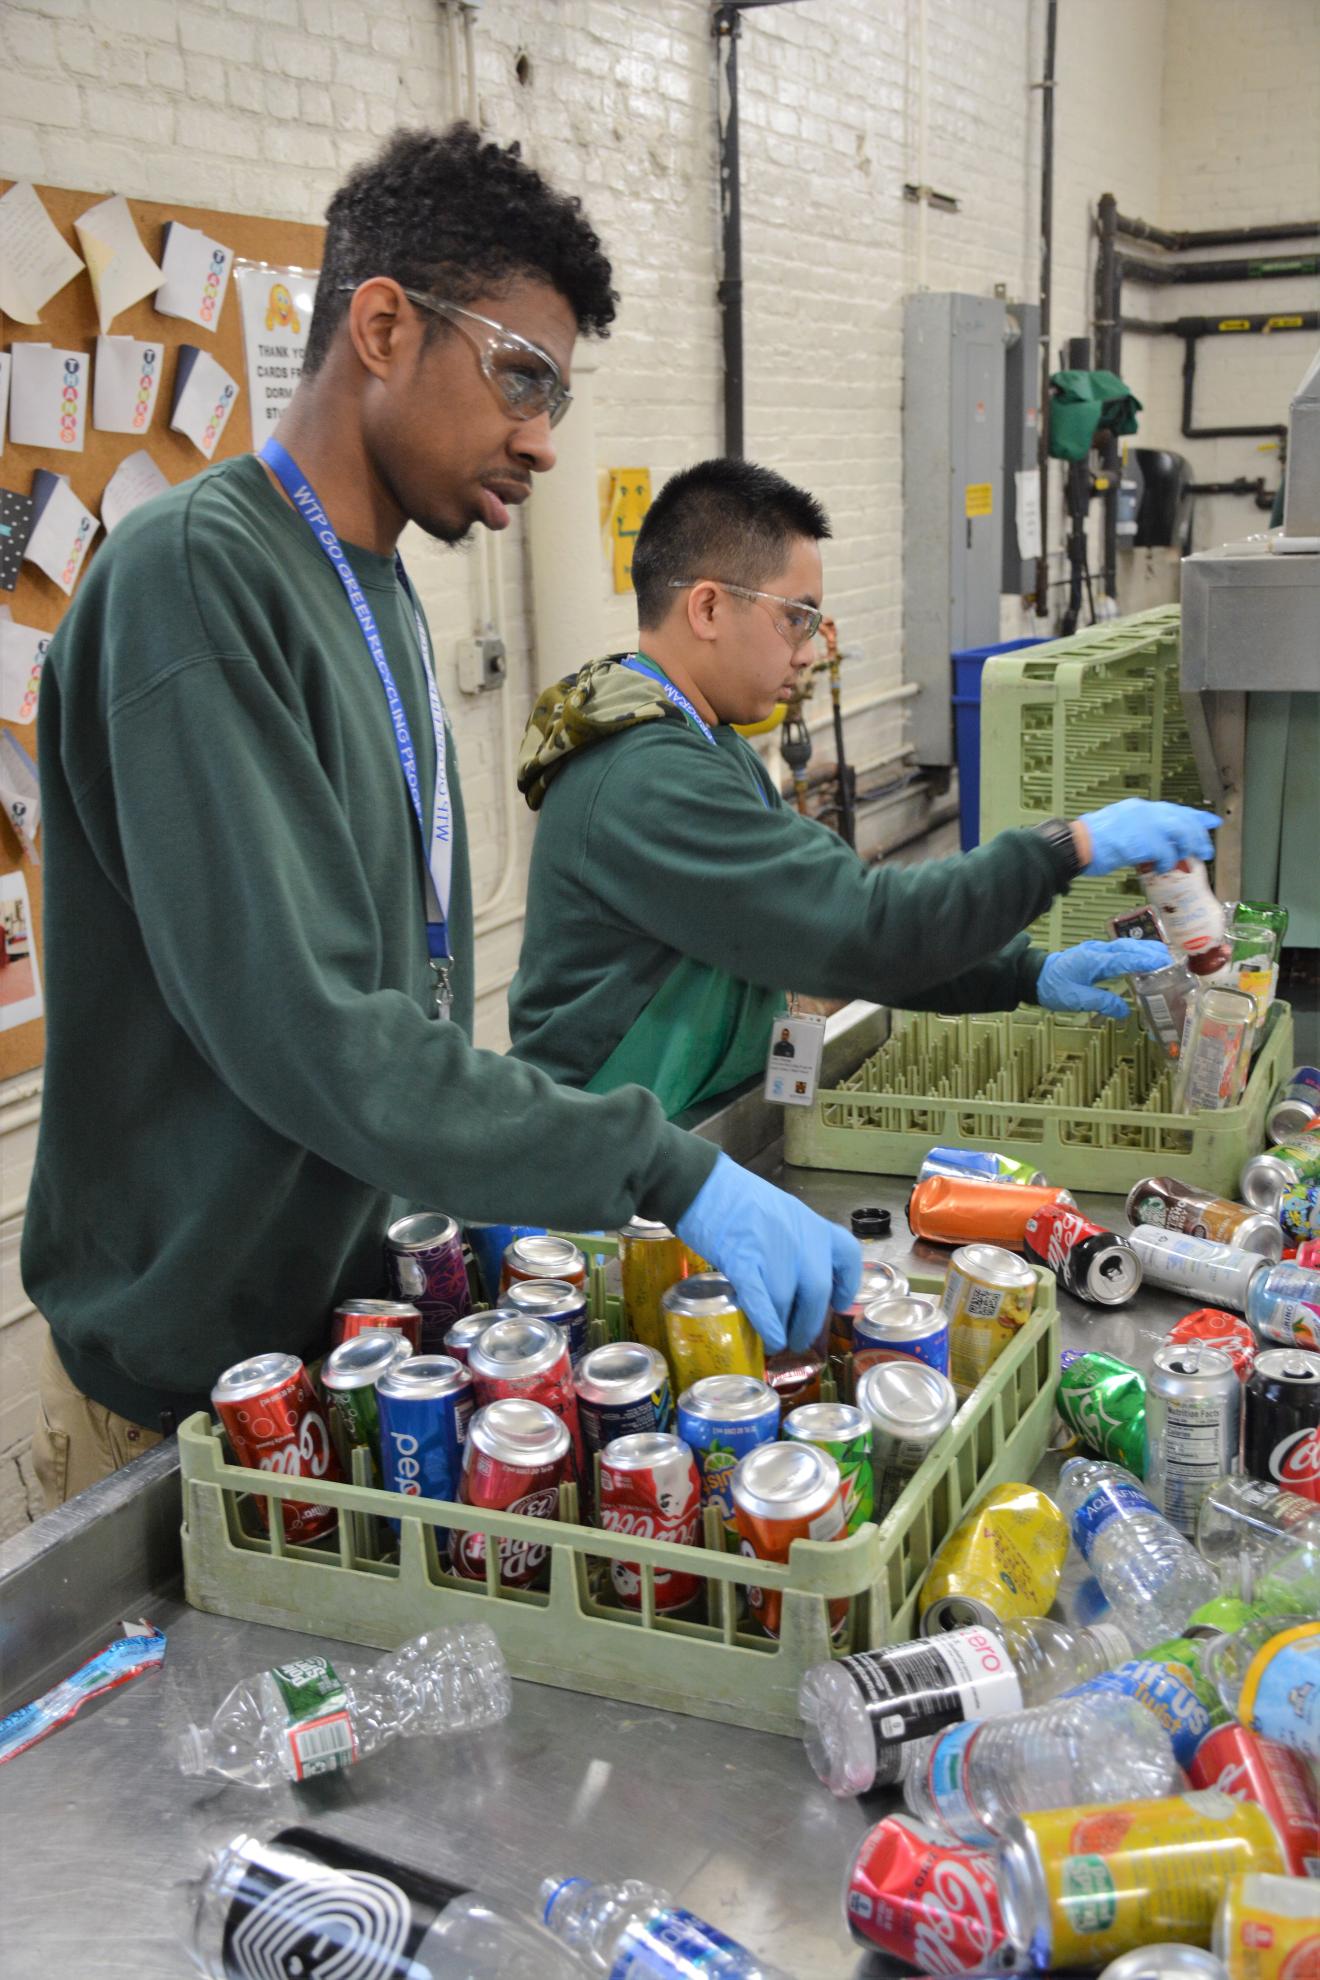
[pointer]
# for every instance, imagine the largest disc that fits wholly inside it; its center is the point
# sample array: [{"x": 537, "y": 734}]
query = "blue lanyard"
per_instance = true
[
  {"x": 637, "y": 665},
  {"x": 438, "y": 847}
]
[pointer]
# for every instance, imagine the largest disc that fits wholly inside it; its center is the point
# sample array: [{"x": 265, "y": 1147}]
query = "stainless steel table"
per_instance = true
[{"x": 97, "y": 1824}]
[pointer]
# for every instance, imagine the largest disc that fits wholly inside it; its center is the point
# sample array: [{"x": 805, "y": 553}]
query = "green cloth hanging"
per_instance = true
[{"x": 1083, "y": 401}]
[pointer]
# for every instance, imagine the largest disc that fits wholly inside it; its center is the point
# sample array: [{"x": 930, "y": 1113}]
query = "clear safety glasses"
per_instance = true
[
  {"x": 794, "y": 621},
  {"x": 524, "y": 378}
]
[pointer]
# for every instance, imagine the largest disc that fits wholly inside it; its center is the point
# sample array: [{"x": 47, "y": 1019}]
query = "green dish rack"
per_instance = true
[{"x": 567, "y": 1635}]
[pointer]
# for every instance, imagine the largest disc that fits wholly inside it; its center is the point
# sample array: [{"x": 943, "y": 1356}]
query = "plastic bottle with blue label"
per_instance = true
[
  {"x": 1164, "y": 1693},
  {"x": 1268, "y": 1674},
  {"x": 632, "y": 1931},
  {"x": 1150, "y": 1575}
]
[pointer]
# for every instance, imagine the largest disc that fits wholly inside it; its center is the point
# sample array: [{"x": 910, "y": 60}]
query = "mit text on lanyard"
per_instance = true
[{"x": 438, "y": 844}]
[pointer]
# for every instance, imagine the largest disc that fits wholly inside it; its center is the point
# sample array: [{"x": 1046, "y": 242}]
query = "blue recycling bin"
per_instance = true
[{"x": 967, "y": 666}]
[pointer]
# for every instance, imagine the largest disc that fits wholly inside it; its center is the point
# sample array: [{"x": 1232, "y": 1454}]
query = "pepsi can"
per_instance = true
[
  {"x": 722, "y": 1417},
  {"x": 424, "y": 1406}
]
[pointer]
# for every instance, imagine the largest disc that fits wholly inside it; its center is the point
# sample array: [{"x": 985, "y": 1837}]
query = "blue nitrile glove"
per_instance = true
[
  {"x": 1141, "y": 831},
  {"x": 783, "y": 1260},
  {"x": 1068, "y": 980}
]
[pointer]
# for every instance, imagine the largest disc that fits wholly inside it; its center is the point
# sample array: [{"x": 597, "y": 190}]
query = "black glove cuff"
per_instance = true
[{"x": 1058, "y": 835}]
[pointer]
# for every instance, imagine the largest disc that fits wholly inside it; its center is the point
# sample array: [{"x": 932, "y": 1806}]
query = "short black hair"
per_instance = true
[
  {"x": 724, "y": 519},
  {"x": 451, "y": 213}
]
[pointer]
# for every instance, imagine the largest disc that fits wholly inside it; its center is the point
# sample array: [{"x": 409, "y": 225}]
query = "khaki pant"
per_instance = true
[{"x": 78, "y": 1441}]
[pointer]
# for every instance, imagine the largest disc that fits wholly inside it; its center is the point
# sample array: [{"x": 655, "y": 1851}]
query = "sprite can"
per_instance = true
[
  {"x": 845, "y": 1432},
  {"x": 1103, "y": 1401}
]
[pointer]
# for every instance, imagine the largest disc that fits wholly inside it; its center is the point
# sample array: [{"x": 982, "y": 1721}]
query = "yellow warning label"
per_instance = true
[
  {"x": 1234, "y": 323},
  {"x": 1283, "y": 323},
  {"x": 979, "y": 499}
]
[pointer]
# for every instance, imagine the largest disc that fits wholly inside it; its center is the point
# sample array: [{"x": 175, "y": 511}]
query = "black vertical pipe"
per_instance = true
[
  {"x": 726, "y": 28},
  {"x": 1108, "y": 357},
  {"x": 1046, "y": 259},
  {"x": 1077, "y": 496}
]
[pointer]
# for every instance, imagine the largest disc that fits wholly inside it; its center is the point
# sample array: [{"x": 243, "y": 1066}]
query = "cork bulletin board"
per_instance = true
[{"x": 69, "y": 322}]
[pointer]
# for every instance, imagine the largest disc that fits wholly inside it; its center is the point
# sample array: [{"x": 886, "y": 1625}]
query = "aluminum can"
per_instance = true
[
  {"x": 1079, "y": 1885},
  {"x": 1308, "y": 1255},
  {"x": 1103, "y": 1400},
  {"x": 843, "y": 1430},
  {"x": 910, "y": 1407},
  {"x": 1248, "y": 1768},
  {"x": 424, "y": 1260},
  {"x": 1091, "y": 1262},
  {"x": 1166, "y": 1203},
  {"x": 349, "y": 1375},
  {"x": 1163, "y": 998},
  {"x": 1296, "y": 1105},
  {"x": 557, "y": 1300},
  {"x": 1000, "y": 1563},
  {"x": 1268, "y": 1928},
  {"x": 488, "y": 1244},
  {"x": 983, "y": 1164},
  {"x": 622, "y": 1390},
  {"x": 459, "y": 1337},
  {"x": 708, "y": 1333},
  {"x": 649, "y": 1488},
  {"x": 721, "y": 1418},
  {"x": 518, "y": 1454},
  {"x": 879, "y": 1281},
  {"x": 931, "y": 1905},
  {"x": 1214, "y": 1328},
  {"x": 1194, "y": 922},
  {"x": 1171, "y": 1962},
  {"x": 1267, "y": 1176},
  {"x": 1219, "y": 1274},
  {"x": 960, "y": 1210},
  {"x": 1283, "y": 1305},
  {"x": 1299, "y": 1214},
  {"x": 369, "y": 1316},
  {"x": 541, "y": 1256},
  {"x": 522, "y": 1356},
  {"x": 794, "y": 1376},
  {"x": 1215, "y": 1050},
  {"x": 889, "y": 1329},
  {"x": 1193, "y": 1427},
  {"x": 274, "y": 1423},
  {"x": 651, "y": 1260},
  {"x": 782, "y": 1493},
  {"x": 1281, "y": 1430},
  {"x": 425, "y": 1407},
  {"x": 987, "y": 1300}
]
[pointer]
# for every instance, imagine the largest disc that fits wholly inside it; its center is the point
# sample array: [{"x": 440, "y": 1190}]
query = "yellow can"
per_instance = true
[
  {"x": 1003, "y": 1561},
  {"x": 651, "y": 1260},
  {"x": 1268, "y": 1928},
  {"x": 707, "y": 1333},
  {"x": 1080, "y": 1885},
  {"x": 987, "y": 1299}
]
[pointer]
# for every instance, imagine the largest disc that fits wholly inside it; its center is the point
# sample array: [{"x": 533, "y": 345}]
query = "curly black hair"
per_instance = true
[
  {"x": 449, "y": 212},
  {"x": 723, "y": 518}
]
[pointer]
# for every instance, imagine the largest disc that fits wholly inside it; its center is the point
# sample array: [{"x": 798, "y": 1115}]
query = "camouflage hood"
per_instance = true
[{"x": 601, "y": 700}]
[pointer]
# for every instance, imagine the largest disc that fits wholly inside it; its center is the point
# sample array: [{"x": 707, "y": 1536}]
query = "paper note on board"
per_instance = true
[
  {"x": 63, "y": 532},
  {"x": 22, "y": 657},
  {"x": 134, "y": 481},
  {"x": 35, "y": 259},
  {"x": 276, "y": 306},
  {"x": 122, "y": 271},
  {"x": 125, "y": 384},
  {"x": 20, "y": 979},
  {"x": 1027, "y": 504},
  {"x": 196, "y": 270},
  {"x": 48, "y": 397},
  {"x": 204, "y": 397},
  {"x": 5, "y": 364}
]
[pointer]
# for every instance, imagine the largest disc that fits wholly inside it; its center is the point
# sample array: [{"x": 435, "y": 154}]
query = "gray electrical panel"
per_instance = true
[
  {"x": 953, "y": 476},
  {"x": 1021, "y": 432}
]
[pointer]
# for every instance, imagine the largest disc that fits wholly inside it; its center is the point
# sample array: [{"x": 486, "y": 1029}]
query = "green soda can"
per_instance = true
[
  {"x": 1221, "y": 1617},
  {"x": 1103, "y": 1401},
  {"x": 349, "y": 1376},
  {"x": 845, "y": 1432}
]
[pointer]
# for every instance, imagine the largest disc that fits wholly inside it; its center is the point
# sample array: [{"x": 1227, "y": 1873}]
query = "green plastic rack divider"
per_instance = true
[{"x": 566, "y": 1636}]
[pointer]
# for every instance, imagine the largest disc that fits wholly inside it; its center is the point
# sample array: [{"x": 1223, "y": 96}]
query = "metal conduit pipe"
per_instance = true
[
  {"x": 1272, "y": 230},
  {"x": 1046, "y": 273}
]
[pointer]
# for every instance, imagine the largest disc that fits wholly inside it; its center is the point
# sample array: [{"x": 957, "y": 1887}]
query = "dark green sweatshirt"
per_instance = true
[
  {"x": 652, "y": 846},
  {"x": 244, "y": 1077}
]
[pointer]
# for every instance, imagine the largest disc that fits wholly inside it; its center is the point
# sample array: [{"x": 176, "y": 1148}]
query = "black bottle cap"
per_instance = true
[{"x": 872, "y": 1223}]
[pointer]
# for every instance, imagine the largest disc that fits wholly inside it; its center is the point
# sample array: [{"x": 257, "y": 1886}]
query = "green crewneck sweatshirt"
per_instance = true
[
  {"x": 244, "y": 1075},
  {"x": 653, "y": 846}
]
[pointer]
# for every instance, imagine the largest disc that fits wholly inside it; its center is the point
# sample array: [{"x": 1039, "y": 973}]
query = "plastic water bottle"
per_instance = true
[
  {"x": 1265, "y": 1539},
  {"x": 973, "y": 1777},
  {"x": 310, "y": 1716},
  {"x": 636, "y": 1930},
  {"x": 262, "y": 1908},
  {"x": 863, "y": 1715},
  {"x": 1268, "y": 1676},
  {"x": 1149, "y": 1574}
]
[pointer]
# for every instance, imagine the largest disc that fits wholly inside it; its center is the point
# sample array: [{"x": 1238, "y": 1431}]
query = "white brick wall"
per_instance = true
[{"x": 263, "y": 105}]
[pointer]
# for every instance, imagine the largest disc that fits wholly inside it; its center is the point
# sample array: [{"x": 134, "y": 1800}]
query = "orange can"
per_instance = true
[
  {"x": 540, "y": 1256},
  {"x": 960, "y": 1210},
  {"x": 782, "y": 1493}
]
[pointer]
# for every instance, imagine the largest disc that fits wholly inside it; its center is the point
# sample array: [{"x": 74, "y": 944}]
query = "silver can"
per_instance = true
[
  {"x": 1217, "y": 1274},
  {"x": 1295, "y": 1106},
  {"x": 622, "y": 1390},
  {"x": 1171, "y": 1962},
  {"x": 349, "y": 1375},
  {"x": 909, "y": 1407},
  {"x": 912, "y": 1326},
  {"x": 1267, "y": 1176},
  {"x": 460, "y": 1337},
  {"x": 557, "y": 1300},
  {"x": 1193, "y": 1427}
]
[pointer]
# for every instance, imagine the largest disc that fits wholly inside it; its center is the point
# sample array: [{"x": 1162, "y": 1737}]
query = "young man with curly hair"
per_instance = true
[{"x": 258, "y": 911}]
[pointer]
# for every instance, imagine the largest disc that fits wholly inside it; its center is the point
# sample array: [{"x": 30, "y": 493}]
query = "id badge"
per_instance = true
[{"x": 792, "y": 1067}]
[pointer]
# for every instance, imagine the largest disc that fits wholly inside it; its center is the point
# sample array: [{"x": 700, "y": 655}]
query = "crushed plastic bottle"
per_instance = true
[
  {"x": 632, "y": 1931},
  {"x": 1264, "y": 1540},
  {"x": 1149, "y": 1574},
  {"x": 311, "y": 1717}
]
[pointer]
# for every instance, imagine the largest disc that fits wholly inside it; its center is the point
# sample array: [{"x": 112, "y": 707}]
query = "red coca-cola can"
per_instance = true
[
  {"x": 650, "y": 1487},
  {"x": 1212, "y": 1327},
  {"x": 934, "y": 1906},
  {"x": 367, "y": 1316},
  {"x": 1239, "y": 1763},
  {"x": 517, "y": 1455},
  {"x": 1090, "y": 1261},
  {"x": 275, "y": 1423},
  {"x": 541, "y": 1256},
  {"x": 523, "y": 1356}
]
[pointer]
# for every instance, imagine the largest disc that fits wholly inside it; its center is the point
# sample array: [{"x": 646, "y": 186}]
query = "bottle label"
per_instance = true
[
  {"x": 1108, "y": 1502},
  {"x": 318, "y": 1724},
  {"x": 919, "y": 1688},
  {"x": 1281, "y": 1692},
  {"x": 673, "y": 1945},
  {"x": 1163, "y": 1693},
  {"x": 291, "y": 1916},
  {"x": 947, "y": 1781}
]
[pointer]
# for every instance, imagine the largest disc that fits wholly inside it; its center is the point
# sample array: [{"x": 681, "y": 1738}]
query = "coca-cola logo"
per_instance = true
[
  {"x": 1296, "y": 1462},
  {"x": 308, "y": 1458},
  {"x": 959, "y": 1930},
  {"x": 640, "y": 1524},
  {"x": 1232, "y": 1780}
]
